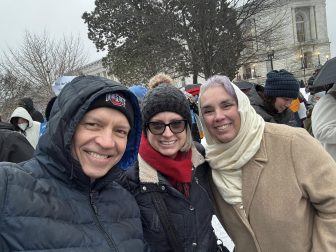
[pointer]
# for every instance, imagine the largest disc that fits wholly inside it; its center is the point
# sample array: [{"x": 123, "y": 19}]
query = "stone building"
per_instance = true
[
  {"x": 302, "y": 42},
  {"x": 95, "y": 68}
]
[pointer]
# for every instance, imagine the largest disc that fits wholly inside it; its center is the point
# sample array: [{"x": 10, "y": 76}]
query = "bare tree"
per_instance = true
[
  {"x": 30, "y": 69},
  {"x": 10, "y": 90},
  {"x": 261, "y": 23}
]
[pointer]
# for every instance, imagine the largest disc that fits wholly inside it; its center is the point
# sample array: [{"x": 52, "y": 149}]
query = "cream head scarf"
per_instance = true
[{"x": 227, "y": 159}]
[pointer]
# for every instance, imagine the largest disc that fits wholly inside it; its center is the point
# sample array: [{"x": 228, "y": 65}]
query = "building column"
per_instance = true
[{"x": 312, "y": 20}]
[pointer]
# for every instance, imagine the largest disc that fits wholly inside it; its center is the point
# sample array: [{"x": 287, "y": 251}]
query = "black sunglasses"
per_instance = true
[{"x": 157, "y": 128}]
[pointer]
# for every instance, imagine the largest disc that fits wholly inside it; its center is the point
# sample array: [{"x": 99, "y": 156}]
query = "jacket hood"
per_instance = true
[
  {"x": 257, "y": 101},
  {"x": 254, "y": 97},
  {"x": 6, "y": 126},
  {"x": 54, "y": 147},
  {"x": 23, "y": 113}
]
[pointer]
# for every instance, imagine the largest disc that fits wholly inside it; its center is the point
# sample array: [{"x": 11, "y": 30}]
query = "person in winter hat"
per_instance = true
[
  {"x": 196, "y": 128},
  {"x": 23, "y": 123},
  {"x": 273, "y": 185},
  {"x": 72, "y": 192},
  {"x": 170, "y": 171},
  {"x": 28, "y": 104},
  {"x": 273, "y": 100},
  {"x": 14, "y": 147}
]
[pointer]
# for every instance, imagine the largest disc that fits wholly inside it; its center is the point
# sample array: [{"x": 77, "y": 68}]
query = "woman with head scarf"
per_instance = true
[{"x": 273, "y": 185}]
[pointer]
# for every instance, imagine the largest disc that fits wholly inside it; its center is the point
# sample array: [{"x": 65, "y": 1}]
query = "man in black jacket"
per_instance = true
[
  {"x": 69, "y": 196},
  {"x": 28, "y": 104},
  {"x": 14, "y": 147}
]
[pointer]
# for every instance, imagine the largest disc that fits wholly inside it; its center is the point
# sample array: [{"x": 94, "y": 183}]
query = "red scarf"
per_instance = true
[{"x": 177, "y": 170}]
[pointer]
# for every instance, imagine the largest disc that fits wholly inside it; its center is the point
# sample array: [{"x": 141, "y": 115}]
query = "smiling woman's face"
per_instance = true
[
  {"x": 220, "y": 113},
  {"x": 282, "y": 103},
  {"x": 168, "y": 143}
]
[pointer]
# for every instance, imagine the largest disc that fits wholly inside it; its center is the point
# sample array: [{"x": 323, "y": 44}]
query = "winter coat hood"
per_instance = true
[
  {"x": 23, "y": 113},
  {"x": 256, "y": 99},
  {"x": 6, "y": 126},
  {"x": 54, "y": 148}
]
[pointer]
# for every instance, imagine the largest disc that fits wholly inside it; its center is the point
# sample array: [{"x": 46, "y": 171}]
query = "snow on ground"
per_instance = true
[
  {"x": 221, "y": 234},
  {"x": 219, "y": 230}
]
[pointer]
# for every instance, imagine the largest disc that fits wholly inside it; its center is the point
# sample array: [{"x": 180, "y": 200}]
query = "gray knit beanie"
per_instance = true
[
  {"x": 165, "y": 98},
  {"x": 281, "y": 84}
]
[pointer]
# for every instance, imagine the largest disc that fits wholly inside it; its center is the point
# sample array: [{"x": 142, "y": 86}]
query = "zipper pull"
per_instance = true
[{"x": 93, "y": 203}]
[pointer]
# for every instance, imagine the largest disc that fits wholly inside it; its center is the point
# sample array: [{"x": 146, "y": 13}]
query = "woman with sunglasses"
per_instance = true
[{"x": 168, "y": 181}]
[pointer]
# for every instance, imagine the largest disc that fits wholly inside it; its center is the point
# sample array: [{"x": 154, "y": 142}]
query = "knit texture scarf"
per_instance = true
[
  {"x": 227, "y": 159},
  {"x": 178, "y": 170}
]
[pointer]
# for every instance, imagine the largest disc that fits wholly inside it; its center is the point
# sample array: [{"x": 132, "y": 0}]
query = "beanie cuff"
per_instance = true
[
  {"x": 282, "y": 93},
  {"x": 165, "y": 98},
  {"x": 115, "y": 101},
  {"x": 281, "y": 84}
]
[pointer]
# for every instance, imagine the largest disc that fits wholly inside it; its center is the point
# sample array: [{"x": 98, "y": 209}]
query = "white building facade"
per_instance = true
[
  {"x": 303, "y": 44},
  {"x": 96, "y": 68}
]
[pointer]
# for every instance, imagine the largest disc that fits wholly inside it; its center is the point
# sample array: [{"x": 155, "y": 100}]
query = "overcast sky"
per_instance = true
[{"x": 63, "y": 17}]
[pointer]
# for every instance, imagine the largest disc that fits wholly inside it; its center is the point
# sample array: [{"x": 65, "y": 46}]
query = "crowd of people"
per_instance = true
[{"x": 113, "y": 168}]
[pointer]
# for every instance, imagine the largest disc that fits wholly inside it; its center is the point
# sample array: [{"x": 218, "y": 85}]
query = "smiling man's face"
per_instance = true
[{"x": 100, "y": 141}]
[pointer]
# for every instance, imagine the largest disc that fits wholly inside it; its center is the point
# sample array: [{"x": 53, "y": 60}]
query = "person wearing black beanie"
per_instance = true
[
  {"x": 165, "y": 98},
  {"x": 169, "y": 180},
  {"x": 272, "y": 101},
  {"x": 72, "y": 192}
]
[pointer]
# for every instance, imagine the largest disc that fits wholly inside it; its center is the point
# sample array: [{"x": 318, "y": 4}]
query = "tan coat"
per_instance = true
[{"x": 289, "y": 196}]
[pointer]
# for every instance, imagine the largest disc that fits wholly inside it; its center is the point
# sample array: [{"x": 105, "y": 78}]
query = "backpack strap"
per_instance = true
[{"x": 166, "y": 222}]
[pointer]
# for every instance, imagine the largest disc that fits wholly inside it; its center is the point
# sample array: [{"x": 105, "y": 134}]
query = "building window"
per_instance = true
[
  {"x": 308, "y": 60},
  {"x": 300, "y": 28}
]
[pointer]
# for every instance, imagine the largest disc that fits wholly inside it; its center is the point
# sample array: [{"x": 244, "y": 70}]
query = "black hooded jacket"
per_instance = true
[
  {"x": 14, "y": 147},
  {"x": 49, "y": 204},
  {"x": 28, "y": 104}
]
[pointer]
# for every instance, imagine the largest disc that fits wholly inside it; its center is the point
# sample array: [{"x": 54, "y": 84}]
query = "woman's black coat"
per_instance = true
[{"x": 191, "y": 217}]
